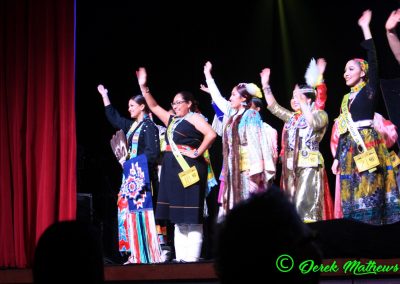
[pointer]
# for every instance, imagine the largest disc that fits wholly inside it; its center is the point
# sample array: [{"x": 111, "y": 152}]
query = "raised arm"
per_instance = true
[
  {"x": 277, "y": 110},
  {"x": 160, "y": 112},
  {"x": 316, "y": 120},
  {"x": 321, "y": 97},
  {"x": 218, "y": 112},
  {"x": 269, "y": 97},
  {"x": 305, "y": 107},
  {"x": 216, "y": 96},
  {"x": 369, "y": 46},
  {"x": 391, "y": 34},
  {"x": 363, "y": 22},
  {"x": 104, "y": 94},
  {"x": 113, "y": 116},
  {"x": 204, "y": 89},
  {"x": 321, "y": 65}
]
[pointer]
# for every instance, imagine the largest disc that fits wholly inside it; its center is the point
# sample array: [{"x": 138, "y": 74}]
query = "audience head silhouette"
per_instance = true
[
  {"x": 256, "y": 233},
  {"x": 69, "y": 252}
]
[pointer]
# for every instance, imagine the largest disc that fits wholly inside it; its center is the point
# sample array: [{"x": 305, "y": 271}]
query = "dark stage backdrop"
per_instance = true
[{"x": 173, "y": 40}]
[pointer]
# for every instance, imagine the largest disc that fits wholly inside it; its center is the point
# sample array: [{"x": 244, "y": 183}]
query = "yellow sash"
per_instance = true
[
  {"x": 189, "y": 175},
  {"x": 368, "y": 159}
]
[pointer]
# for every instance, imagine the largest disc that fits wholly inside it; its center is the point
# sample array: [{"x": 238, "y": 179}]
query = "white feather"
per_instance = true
[
  {"x": 251, "y": 88},
  {"x": 312, "y": 73}
]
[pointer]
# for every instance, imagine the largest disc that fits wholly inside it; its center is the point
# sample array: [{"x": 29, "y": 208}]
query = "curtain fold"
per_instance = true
[{"x": 37, "y": 122}]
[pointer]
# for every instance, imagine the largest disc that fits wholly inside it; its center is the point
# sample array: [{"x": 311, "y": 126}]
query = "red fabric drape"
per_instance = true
[{"x": 37, "y": 122}]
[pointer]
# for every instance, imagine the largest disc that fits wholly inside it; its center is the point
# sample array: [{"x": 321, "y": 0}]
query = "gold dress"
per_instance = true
[{"x": 302, "y": 164}]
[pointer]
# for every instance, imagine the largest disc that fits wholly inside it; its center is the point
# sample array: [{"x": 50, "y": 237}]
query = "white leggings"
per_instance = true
[{"x": 188, "y": 239}]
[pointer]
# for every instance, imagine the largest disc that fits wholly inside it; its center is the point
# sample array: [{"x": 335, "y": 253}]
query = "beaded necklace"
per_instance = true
[{"x": 357, "y": 87}]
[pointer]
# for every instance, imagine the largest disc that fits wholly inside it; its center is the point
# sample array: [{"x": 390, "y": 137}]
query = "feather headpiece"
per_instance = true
[
  {"x": 253, "y": 90},
  {"x": 312, "y": 74}
]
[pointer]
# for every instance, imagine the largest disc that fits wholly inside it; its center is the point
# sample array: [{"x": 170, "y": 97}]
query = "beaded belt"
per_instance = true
[
  {"x": 363, "y": 123},
  {"x": 180, "y": 147}
]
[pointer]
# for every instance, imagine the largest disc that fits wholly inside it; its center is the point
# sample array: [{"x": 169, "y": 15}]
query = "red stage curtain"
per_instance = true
[{"x": 37, "y": 122}]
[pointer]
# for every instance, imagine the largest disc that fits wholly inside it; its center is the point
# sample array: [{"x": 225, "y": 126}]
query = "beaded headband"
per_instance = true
[{"x": 363, "y": 64}]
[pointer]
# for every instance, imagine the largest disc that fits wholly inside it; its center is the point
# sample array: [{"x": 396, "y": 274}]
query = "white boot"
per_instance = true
[
  {"x": 180, "y": 241},
  {"x": 194, "y": 242}
]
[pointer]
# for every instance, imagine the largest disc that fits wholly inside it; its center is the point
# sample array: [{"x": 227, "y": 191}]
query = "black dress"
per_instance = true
[
  {"x": 178, "y": 204},
  {"x": 148, "y": 144}
]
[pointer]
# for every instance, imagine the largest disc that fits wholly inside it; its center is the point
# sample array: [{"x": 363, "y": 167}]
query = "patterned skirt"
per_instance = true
[
  {"x": 136, "y": 223},
  {"x": 370, "y": 197}
]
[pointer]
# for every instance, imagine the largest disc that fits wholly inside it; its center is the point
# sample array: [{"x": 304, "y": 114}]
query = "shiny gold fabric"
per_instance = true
[{"x": 304, "y": 186}]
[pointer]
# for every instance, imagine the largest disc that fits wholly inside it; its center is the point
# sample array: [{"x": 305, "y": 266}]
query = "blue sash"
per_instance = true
[{"x": 136, "y": 184}]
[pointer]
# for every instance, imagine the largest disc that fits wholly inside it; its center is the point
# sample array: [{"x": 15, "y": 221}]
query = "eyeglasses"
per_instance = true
[{"x": 177, "y": 103}]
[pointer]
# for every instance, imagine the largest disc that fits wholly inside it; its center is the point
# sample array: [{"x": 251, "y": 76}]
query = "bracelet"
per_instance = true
[
  {"x": 267, "y": 90},
  {"x": 145, "y": 91},
  {"x": 195, "y": 153}
]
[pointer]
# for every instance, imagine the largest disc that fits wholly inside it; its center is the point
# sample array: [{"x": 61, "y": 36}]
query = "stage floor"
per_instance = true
[{"x": 203, "y": 272}]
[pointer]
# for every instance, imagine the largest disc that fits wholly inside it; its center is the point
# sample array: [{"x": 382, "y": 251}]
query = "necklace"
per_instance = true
[
  {"x": 355, "y": 90},
  {"x": 357, "y": 87}
]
